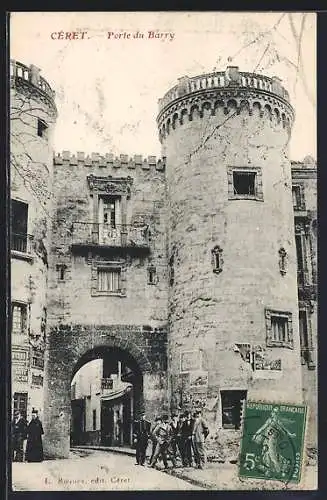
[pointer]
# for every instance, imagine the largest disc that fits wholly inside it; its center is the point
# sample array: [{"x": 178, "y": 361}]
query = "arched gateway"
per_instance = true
[{"x": 137, "y": 379}]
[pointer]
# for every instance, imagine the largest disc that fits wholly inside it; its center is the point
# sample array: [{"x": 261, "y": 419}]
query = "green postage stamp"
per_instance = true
[{"x": 272, "y": 443}]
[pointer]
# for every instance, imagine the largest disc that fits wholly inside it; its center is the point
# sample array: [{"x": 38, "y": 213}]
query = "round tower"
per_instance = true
[
  {"x": 233, "y": 311},
  {"x": 32, "y": 118}
]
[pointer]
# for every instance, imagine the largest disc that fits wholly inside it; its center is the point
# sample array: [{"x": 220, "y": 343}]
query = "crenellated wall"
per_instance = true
[
  {"x": 232, "y": 92},
  {"x": 110, "y": 161}
]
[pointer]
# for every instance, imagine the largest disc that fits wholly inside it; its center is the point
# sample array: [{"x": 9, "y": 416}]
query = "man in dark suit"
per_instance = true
[
  {"x": 141, "y": 434},
  {"x": 19, "y": 435},
  {"x": 186, "y": 438},
  {"x": 175, "y": 444}
]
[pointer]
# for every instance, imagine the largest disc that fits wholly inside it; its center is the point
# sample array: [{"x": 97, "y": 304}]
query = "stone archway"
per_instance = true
[
  {"x": 106, "y": 397},
  {"x": 68, "y": 349}
]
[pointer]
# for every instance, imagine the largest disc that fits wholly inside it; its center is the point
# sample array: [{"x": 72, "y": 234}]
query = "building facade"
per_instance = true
[
  {"x": 33, "y": 116},
  {"x": 190, "y": 278},
  {"x": 304, "y": 192}
]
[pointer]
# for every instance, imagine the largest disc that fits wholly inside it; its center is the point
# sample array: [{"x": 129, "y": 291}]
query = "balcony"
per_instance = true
[
  {"x": 90, "y": 235},
  {"x": 21, "y": 246}
]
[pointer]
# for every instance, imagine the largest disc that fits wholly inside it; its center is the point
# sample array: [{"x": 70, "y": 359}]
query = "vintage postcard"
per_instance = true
[{"x": 163, "y": 237}]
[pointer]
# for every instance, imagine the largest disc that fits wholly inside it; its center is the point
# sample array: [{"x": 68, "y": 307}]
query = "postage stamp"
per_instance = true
[{"x": 272, "y": 442}]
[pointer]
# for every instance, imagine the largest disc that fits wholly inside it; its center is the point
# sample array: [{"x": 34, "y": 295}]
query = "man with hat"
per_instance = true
[
  {"x": 186, "y": 438},
  {"x": 157, "y": 422},
  {"x": 19, "y": 429},
  {"x": 200, "y": 432},
  {"x": 141, "y": 434},
  {"x": 163, "y": 436}
]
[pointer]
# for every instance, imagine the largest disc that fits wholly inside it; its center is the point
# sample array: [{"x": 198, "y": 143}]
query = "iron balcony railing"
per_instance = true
[
  {"x": 123, "y": 235},
  {"x": 21, "y": 242}
]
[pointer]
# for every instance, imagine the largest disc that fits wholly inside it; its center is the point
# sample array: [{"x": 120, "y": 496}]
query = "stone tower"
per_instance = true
[
  {"x": 233, "y": 310},
  {"x": 32, "y": 117}
]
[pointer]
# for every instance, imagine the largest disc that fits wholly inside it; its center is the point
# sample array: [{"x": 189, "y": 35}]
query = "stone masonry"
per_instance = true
[
  {"x": 213, "y": 128},
  {"x": 80, "y": 318},
  {"x": 212, "y": 301}
]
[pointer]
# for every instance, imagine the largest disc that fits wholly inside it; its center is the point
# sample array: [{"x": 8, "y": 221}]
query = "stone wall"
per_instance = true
[
  {"x": 69, "y": 346},
  {"x": 81, "y": 320},
  {"x": 31, "y": 183}
]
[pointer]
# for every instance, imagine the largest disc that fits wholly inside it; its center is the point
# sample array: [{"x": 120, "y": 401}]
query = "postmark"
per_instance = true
[{"x": 272, "y": 443}]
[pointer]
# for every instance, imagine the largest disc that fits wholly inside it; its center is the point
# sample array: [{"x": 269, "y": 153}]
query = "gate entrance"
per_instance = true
[{"x": 106, "y": 395}]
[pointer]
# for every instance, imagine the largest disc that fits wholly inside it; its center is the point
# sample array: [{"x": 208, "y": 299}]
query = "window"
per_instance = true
[
  {"x": 19, "y": 218},
  {"x": 279, "y": 325},
  {"x": 303, "y": 335},
  {"x": 42, "y": 128},
  {"x": 37, "y": 360},
  {"x": 245, "y": 183},
  {"x": 279, "y": 329},
  {"x": 305, "y": 340},
  {"x": 217, "y": 260},
  {"x": 20, "y": 402},
  {"x": 109, "y": 211},
  {"x": 37, "y": 380},
  {"x": 301, "y": 260},
  {"x": 108, "y": 280},
  {"x": 19, "y": 319},
  {"x": 94, "y": 419},
  {"x": 171, "y": 271},
  {"x": 298, "y": 197},
  {"x": 152, "y": 275},
  {"x": 232, "y": 408},
  {"x": 61, "y": 269}
]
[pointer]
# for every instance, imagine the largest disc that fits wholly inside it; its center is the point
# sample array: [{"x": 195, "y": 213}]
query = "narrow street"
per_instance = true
[{"x": 92, "y": 470}]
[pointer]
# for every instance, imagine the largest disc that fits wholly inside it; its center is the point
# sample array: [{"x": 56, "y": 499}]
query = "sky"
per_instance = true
[{"x": 107, "y": 89}]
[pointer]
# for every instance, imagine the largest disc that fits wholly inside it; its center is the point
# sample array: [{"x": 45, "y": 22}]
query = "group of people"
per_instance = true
[
  {"x": 181, "y": 437},
  {"x": 27, "y": 438}
]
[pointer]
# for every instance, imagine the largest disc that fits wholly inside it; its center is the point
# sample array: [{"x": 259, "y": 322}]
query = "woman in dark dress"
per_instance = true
[{"x": 34, "y": 446}]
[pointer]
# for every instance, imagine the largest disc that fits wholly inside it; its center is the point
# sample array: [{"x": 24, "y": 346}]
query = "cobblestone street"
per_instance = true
[
  {"x": 92, "y": 470},
  {"x": 103, "y": 470}
]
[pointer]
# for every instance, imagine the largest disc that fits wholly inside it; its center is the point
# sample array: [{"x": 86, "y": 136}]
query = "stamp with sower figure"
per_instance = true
[{"x": 272, "y": 444}]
